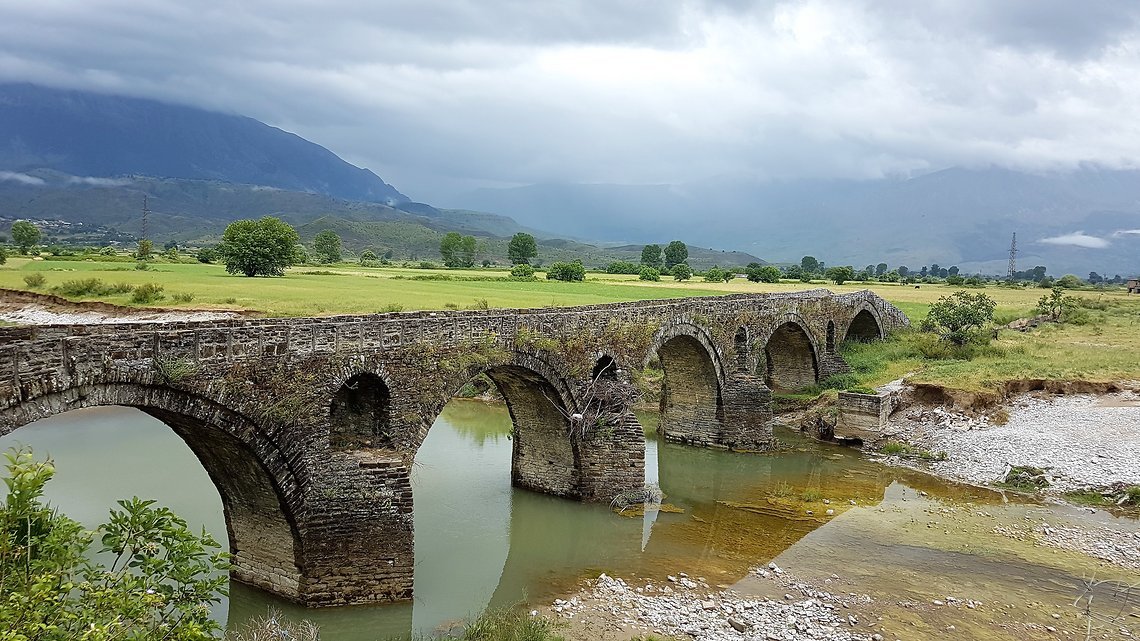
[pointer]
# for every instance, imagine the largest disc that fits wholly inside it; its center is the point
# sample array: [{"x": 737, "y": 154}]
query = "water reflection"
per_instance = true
[{"x": 479, "y": 541}]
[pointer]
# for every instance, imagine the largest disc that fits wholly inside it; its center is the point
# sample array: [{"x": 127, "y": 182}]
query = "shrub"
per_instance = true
[
  {"x": 682, "y": 272},
  {"x": 1068, "y": 281},
  {"x": 142, "y": 266},
  {"x": 758, "y": 273},
  {"x": 714, "y": 275},
  {"x": 522, "y": 270},
  {"x": 34, "y": 280},
  {"x": 162, "y": 576},
  {"x": 623, "y": 267},
  {"x": 3, "y": 255},
  {"x": 650, "y": 274},
  {"x": 960, "y": 317},
  {"x": 566, "y": 271},
  {"x": 147, "y": 293},
  {"x": 83, "y": 287},
  {"x": 368, "y": 256},
  {"x": 107, "y": 251},
  {"x": 183, "y": 297}
]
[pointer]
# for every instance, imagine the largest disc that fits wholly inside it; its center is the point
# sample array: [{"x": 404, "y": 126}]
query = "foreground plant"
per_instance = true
[{"x": 161, "y": 581}]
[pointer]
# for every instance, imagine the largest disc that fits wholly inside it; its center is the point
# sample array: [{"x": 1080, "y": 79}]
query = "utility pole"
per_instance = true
[
  {"x": 145, "y": 221},
  {"x": 1012, "y": 256}
]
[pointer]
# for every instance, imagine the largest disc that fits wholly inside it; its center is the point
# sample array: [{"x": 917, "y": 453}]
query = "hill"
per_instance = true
[{"x": 91, "y": 135}]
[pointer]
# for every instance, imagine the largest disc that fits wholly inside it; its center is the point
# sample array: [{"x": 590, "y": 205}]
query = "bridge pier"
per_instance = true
[{"x": 747, "y": 412}]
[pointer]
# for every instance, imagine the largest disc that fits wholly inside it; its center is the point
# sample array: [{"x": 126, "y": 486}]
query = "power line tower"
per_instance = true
[
  {"x": 145, "y": 220},
  {"x": 1012, "y": 256}
]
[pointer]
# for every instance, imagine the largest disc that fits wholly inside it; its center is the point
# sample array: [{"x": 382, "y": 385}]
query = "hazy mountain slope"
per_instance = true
[
  {"x": 956, "y": 216},
  {"x": 88, "y": 134}
]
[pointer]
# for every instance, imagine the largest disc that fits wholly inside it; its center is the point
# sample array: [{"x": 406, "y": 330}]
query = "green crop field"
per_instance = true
[{"x": 1104, "y": 346}]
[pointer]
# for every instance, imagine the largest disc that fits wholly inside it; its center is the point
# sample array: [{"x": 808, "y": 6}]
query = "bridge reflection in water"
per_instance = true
[{"x": 480, "y": 541}]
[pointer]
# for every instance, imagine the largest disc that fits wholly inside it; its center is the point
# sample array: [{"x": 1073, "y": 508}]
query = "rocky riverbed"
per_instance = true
[{"x": 1080, "y": 441}]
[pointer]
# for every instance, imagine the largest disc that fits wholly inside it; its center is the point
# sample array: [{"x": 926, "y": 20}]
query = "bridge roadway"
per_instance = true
[{"x": 309, "y": 426}]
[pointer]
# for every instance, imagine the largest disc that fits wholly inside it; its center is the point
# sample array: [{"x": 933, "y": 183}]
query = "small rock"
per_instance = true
[{"x": 738, "y": 625}]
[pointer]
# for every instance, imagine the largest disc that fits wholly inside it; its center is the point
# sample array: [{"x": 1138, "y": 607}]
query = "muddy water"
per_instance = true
[{"x": 895, "y": 534}]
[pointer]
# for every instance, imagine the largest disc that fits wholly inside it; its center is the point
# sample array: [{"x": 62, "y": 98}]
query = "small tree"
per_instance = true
[
  {"x": 651, "y": 256},
  {"x": 25, "y": 234},
  {"x": 809, "y": 264},
  {"x": 522, "y": 248},
  {"x": 960, "y": 316},
  {"x": 368, "y": 258},
  {"x": 566, "y": 271},
  {"x": 263, "y": 247},
  {"x": 840, "y": 275},
  {"x": 1055, "y": 304},
  {"x": 676, "y": 252},
  {"x": 522, "y": 270},
  {"x": 623, "y": 267},
  {"x": 682, "y": 272},
  {"x": 1068, "y": 281},
  {"x": 327, "y": 246},
  {"x": 714, "y": 274},
  {"x": 458, "y": 250},
  {"x": 758, "y": 273},
  {"x": 650, "y": 274},
  {"x": 144, "y": 249}
]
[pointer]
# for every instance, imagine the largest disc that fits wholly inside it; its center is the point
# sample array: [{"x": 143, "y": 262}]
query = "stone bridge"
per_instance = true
[{"x": 309, "y": 426}]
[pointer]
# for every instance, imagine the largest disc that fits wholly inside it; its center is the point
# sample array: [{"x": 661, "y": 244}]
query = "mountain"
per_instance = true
[
  {"x": 89, "y": 135},
  {"x": 956, "y": 216}
]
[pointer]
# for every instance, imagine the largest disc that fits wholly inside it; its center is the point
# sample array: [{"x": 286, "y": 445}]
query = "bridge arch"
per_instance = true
[
  {"x": 691, "y": 407},
  {"x": 360, "y": 414},
  {"x": 865, "y": 326},
  {"x": 790, "y": 356},
  {"x": 545, "y": 457},
  {"x": 259, "y": 485}
]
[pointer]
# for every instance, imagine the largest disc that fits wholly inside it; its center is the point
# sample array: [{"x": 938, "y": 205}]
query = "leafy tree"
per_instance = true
[
  {"x": 25, "y": 234},
  {"x": 263, "y": 247},
  {"x": 162, "y": 577},
  {"x": 327, "y": 246},
  {"x": 522, "y": 248},
  {"x": 651, "y": 256},
  {"x": 953, "y": 271},
  {"x": 1068, "y": 281},
  {"x": 809, "y": 264},
  {"x": 682, "y": 272},
  {"x": 650, "y": 274},
  {"x": 300, "y": 254},
  {"x": 623, "y": 267},
  {"x": 458, "y": 250},
  {"x": 144, "y": 250},
  {"x": 676, "y": 252},
  {"x": 903, "y": 271},
  {"x": 880, "y": 269},
  {"x": 1055, "y": 304},
  {"x": 758, "y": 273},
  {"x": 522, "y": 270},
  {"x": 368, "y": 258},
  {"x": 840, "y": 275},
  {"x": 955, "y": 280},
  {"x": 960, "y": 316},
  {"x": 890, "y": 277},
  {"x": 566, "y": 271},
  {"x": 171, "y": 254}
]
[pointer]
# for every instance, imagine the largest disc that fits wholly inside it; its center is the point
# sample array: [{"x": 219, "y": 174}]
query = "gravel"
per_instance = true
[
  {"x": 687, "y": 608},
  {"x": 1081, "y": 441},
  {"x": 1110, "y": 545},
  {"x": 34, "y": 314}
]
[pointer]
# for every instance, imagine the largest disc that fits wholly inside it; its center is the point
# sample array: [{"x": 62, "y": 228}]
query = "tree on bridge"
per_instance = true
[{"x": 263, "y": 247}]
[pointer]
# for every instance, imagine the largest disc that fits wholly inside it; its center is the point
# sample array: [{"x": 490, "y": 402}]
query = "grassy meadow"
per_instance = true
[{"x": 1103, "y": 346}]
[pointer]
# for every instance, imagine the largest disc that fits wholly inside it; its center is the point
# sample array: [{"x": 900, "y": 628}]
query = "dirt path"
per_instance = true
[{"x": 29, "y": 308}]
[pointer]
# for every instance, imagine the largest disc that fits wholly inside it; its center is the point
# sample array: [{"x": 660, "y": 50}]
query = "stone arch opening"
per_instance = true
[
  {"x": 830, "y": 336},
  {"x": 360, "y": 414},
  {"x": 605, "y": 369},
  {"x": 864, "y": 328},
  {"x": 790, "y": 360},
  {"x": 740, "y": 346},
  {"x": 252, "y": 480},
  {"x": 691, "y": 409}
]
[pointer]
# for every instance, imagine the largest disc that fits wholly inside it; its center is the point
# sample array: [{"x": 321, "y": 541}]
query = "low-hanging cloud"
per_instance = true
[
  {"x": 1126, "y": 232},
  {"x": 98, "y": 182},
  {"x": 500, "y": 92},
  {"x": 1077, "y": 239},
  {"x": 25, "y": 179}
]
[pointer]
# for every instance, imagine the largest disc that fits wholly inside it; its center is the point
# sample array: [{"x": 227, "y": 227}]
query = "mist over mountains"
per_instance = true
[
  {"x": 90, "y": 157},
  {"x": 1087, "y": 220}
]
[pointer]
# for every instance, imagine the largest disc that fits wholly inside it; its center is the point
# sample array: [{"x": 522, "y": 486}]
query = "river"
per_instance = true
[{"x": 480, "y": 542}]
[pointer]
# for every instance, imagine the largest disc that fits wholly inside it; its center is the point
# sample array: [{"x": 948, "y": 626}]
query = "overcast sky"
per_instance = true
[{"x": 438, "y": 95}]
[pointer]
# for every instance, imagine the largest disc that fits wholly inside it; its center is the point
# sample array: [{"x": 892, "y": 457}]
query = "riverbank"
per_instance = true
[
  {"x": 30, "y": 308},
  {"x": 1077, "y": 442}
]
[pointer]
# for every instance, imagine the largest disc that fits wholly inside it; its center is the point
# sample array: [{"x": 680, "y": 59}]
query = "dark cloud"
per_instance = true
[{"x": 436, "y": 94}]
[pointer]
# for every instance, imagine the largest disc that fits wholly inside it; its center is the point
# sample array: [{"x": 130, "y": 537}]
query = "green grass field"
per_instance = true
[{"x": 1106, "y": 347}]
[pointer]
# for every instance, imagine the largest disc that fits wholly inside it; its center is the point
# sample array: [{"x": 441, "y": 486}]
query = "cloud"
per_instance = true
[
  {"x": 1077, "y": 239},
  {"x": 99, "y": 182},
  {"x": 444, "y": 93},
  {"x": 1126, "y": 232},
  {"x": 21, "y": 178}
]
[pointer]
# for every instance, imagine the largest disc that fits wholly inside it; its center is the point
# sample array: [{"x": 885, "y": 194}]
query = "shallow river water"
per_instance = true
[{"x": 896, "y": 534}]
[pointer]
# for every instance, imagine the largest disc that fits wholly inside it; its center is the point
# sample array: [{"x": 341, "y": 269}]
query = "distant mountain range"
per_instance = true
[
  {"x": 85, "y": 157},
  {"x": 1086, "y": 220},
  {"x": 86, "y": 134}
]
